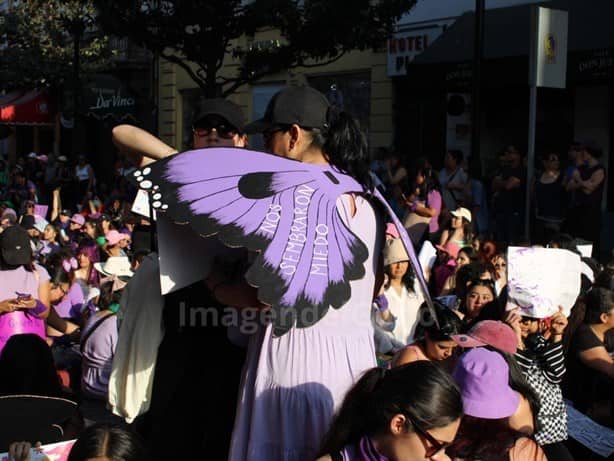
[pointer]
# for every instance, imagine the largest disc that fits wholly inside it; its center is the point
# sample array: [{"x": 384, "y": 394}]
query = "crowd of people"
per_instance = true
[{"x": 388, "y": 376}]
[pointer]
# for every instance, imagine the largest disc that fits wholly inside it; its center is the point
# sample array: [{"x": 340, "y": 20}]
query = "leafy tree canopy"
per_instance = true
[
  {"x": 199, "y": 35},
  {"x": 39, "y": 37}
]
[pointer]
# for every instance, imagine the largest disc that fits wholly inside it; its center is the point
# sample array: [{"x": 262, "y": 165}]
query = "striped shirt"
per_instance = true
[{"x": 543, "y": 365}]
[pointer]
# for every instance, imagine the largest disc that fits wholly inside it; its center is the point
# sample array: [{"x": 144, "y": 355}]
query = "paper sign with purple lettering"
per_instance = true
[
  {"x": 52, "y": 452},
  {"x": 283, "y": 209},
  {"x": 542, "y": 279}
]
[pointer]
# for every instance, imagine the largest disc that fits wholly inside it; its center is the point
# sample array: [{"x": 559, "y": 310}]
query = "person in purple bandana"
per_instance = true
[{"x": 408, "y": 413}]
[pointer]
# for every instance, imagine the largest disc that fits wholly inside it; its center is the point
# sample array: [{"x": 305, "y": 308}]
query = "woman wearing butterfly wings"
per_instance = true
[{"x": 299, "y": 369}]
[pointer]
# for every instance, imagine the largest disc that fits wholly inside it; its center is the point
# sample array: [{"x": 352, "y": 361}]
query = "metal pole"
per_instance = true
[
  {"x": 478, "y": 51},
  {"x": 530, "y": 158}
]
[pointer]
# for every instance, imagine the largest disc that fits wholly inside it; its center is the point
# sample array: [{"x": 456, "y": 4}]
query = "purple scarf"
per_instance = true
[{"x": 363, "y": 451}]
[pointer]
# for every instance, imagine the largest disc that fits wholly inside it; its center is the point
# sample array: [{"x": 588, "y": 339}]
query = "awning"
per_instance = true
[{"x": 25, "y": 108}]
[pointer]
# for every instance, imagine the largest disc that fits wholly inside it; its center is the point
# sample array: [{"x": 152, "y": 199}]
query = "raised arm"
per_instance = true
[{"x": 140, "y": 146}]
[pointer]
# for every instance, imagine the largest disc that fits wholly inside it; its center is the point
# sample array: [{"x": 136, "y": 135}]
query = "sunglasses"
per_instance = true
[
  {"x": 435, "y": 445},
  {"x": 267, "y": 135},
  {"x": 223, "y": 130}
]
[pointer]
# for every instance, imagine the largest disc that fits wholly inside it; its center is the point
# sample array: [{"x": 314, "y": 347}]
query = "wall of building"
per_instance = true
[{"x": 176, "y": 88}]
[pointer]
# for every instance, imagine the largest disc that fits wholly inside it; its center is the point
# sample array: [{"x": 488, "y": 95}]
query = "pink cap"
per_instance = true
[
  {"x": 113, "y": 237},
  {"x": 489, "y": 333}
]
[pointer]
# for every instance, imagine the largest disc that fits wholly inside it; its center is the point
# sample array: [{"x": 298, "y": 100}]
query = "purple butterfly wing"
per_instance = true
[{"x": 284, "y": 209}]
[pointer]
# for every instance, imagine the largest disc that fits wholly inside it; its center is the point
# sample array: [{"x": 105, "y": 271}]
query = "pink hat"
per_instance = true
[
  {"x": 451, "y": 248},
  {"x": 114, "y": 237},
  {"x": 489, "y": 333},
  {"x": 78, "y": 219}
]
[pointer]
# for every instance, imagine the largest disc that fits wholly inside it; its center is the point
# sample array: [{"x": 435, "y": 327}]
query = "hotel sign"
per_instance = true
[{"x": 403, "y": 47}]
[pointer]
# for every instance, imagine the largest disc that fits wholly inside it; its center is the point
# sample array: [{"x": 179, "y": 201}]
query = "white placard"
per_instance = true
[
  {"x": 141, "y": 204},
  {"x": 427, "y": 257},
  {"x": 586, "y": 250},
  {"x": 541, "y": 279}
]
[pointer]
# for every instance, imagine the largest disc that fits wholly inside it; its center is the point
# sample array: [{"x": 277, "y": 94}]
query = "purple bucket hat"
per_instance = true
[{"x": 483, "y": 377}]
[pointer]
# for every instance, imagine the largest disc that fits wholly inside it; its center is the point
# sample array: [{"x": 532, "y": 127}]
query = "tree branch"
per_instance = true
[{"x": 181, "y": 63}]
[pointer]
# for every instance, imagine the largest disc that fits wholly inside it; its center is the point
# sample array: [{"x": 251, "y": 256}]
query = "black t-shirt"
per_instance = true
[
  {"x": 594, "y": 198},
  {"x": 512, "y": 200},
  {"x": 585, "y": 385}
]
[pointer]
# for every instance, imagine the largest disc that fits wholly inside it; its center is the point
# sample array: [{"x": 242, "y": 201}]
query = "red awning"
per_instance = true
[{"x": 25, "y": 108}]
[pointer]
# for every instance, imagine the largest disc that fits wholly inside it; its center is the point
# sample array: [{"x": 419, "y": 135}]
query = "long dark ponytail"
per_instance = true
[
  {"x": 421, "y": 389},
  {"x": 345, "y": 145}
]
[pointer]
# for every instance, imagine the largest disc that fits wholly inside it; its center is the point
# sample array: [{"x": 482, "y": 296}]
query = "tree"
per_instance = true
[
  {"x": 41, "y": 37},
  {"x": 200, "y": 35}
]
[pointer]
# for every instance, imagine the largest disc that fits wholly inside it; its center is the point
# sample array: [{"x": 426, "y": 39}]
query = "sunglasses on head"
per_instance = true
[
  {"x": 223, "y": 129},
  {"x": 435, "y": 445}
]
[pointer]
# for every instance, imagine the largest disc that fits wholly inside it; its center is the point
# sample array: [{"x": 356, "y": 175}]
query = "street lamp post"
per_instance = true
[{"x": 478, "y": 51}]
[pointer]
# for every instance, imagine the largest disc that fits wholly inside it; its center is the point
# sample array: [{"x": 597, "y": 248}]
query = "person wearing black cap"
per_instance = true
[
  {"x": 587, "y": 183},
  {"x": 297, "y": 380},
  {"x": 218, "y": 123},
  {"x": 178, "y": 420},
  {"x": 24, "y": 287}
]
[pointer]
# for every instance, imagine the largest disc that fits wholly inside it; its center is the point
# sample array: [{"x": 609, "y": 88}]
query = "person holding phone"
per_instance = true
[{"x": 24, "y": 287}]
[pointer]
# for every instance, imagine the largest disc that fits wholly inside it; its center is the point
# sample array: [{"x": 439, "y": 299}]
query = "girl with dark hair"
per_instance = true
[
  {"x": 466, "y": 255},
  {"x": 479, "y": 293},
  {"x": 68, "y": 297},
  {"x": 435, "y": 343},
  {"x": 49, "y": 242},
  {"x": 424, "y": 203},
  {"x": 395, "y": 310},
  {"x": 590, "y": 364},
  {"x": 112, "y": 443},
  {"x": 460, "y": 231},
  {"x": 408, "y": 413},
  {"x": 24, "y": 287}
]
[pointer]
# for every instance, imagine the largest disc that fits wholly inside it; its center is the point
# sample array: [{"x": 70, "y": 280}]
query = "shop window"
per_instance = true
[{"x": 350, "y": 92}]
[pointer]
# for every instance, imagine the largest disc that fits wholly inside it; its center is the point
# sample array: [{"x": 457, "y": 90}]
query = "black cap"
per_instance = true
[
  {"x": 27, "y": 222},
  {"x": 300, "y": 105},
  {"x": 228, "y": 110},
  {"x": 66, "y": 212},
  {"x": 15, "y": 246}
]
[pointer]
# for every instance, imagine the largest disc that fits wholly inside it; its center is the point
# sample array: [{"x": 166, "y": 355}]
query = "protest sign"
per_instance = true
[
  {"x": 52, "y": 452},
  {"x": 542, "y": 279}
]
